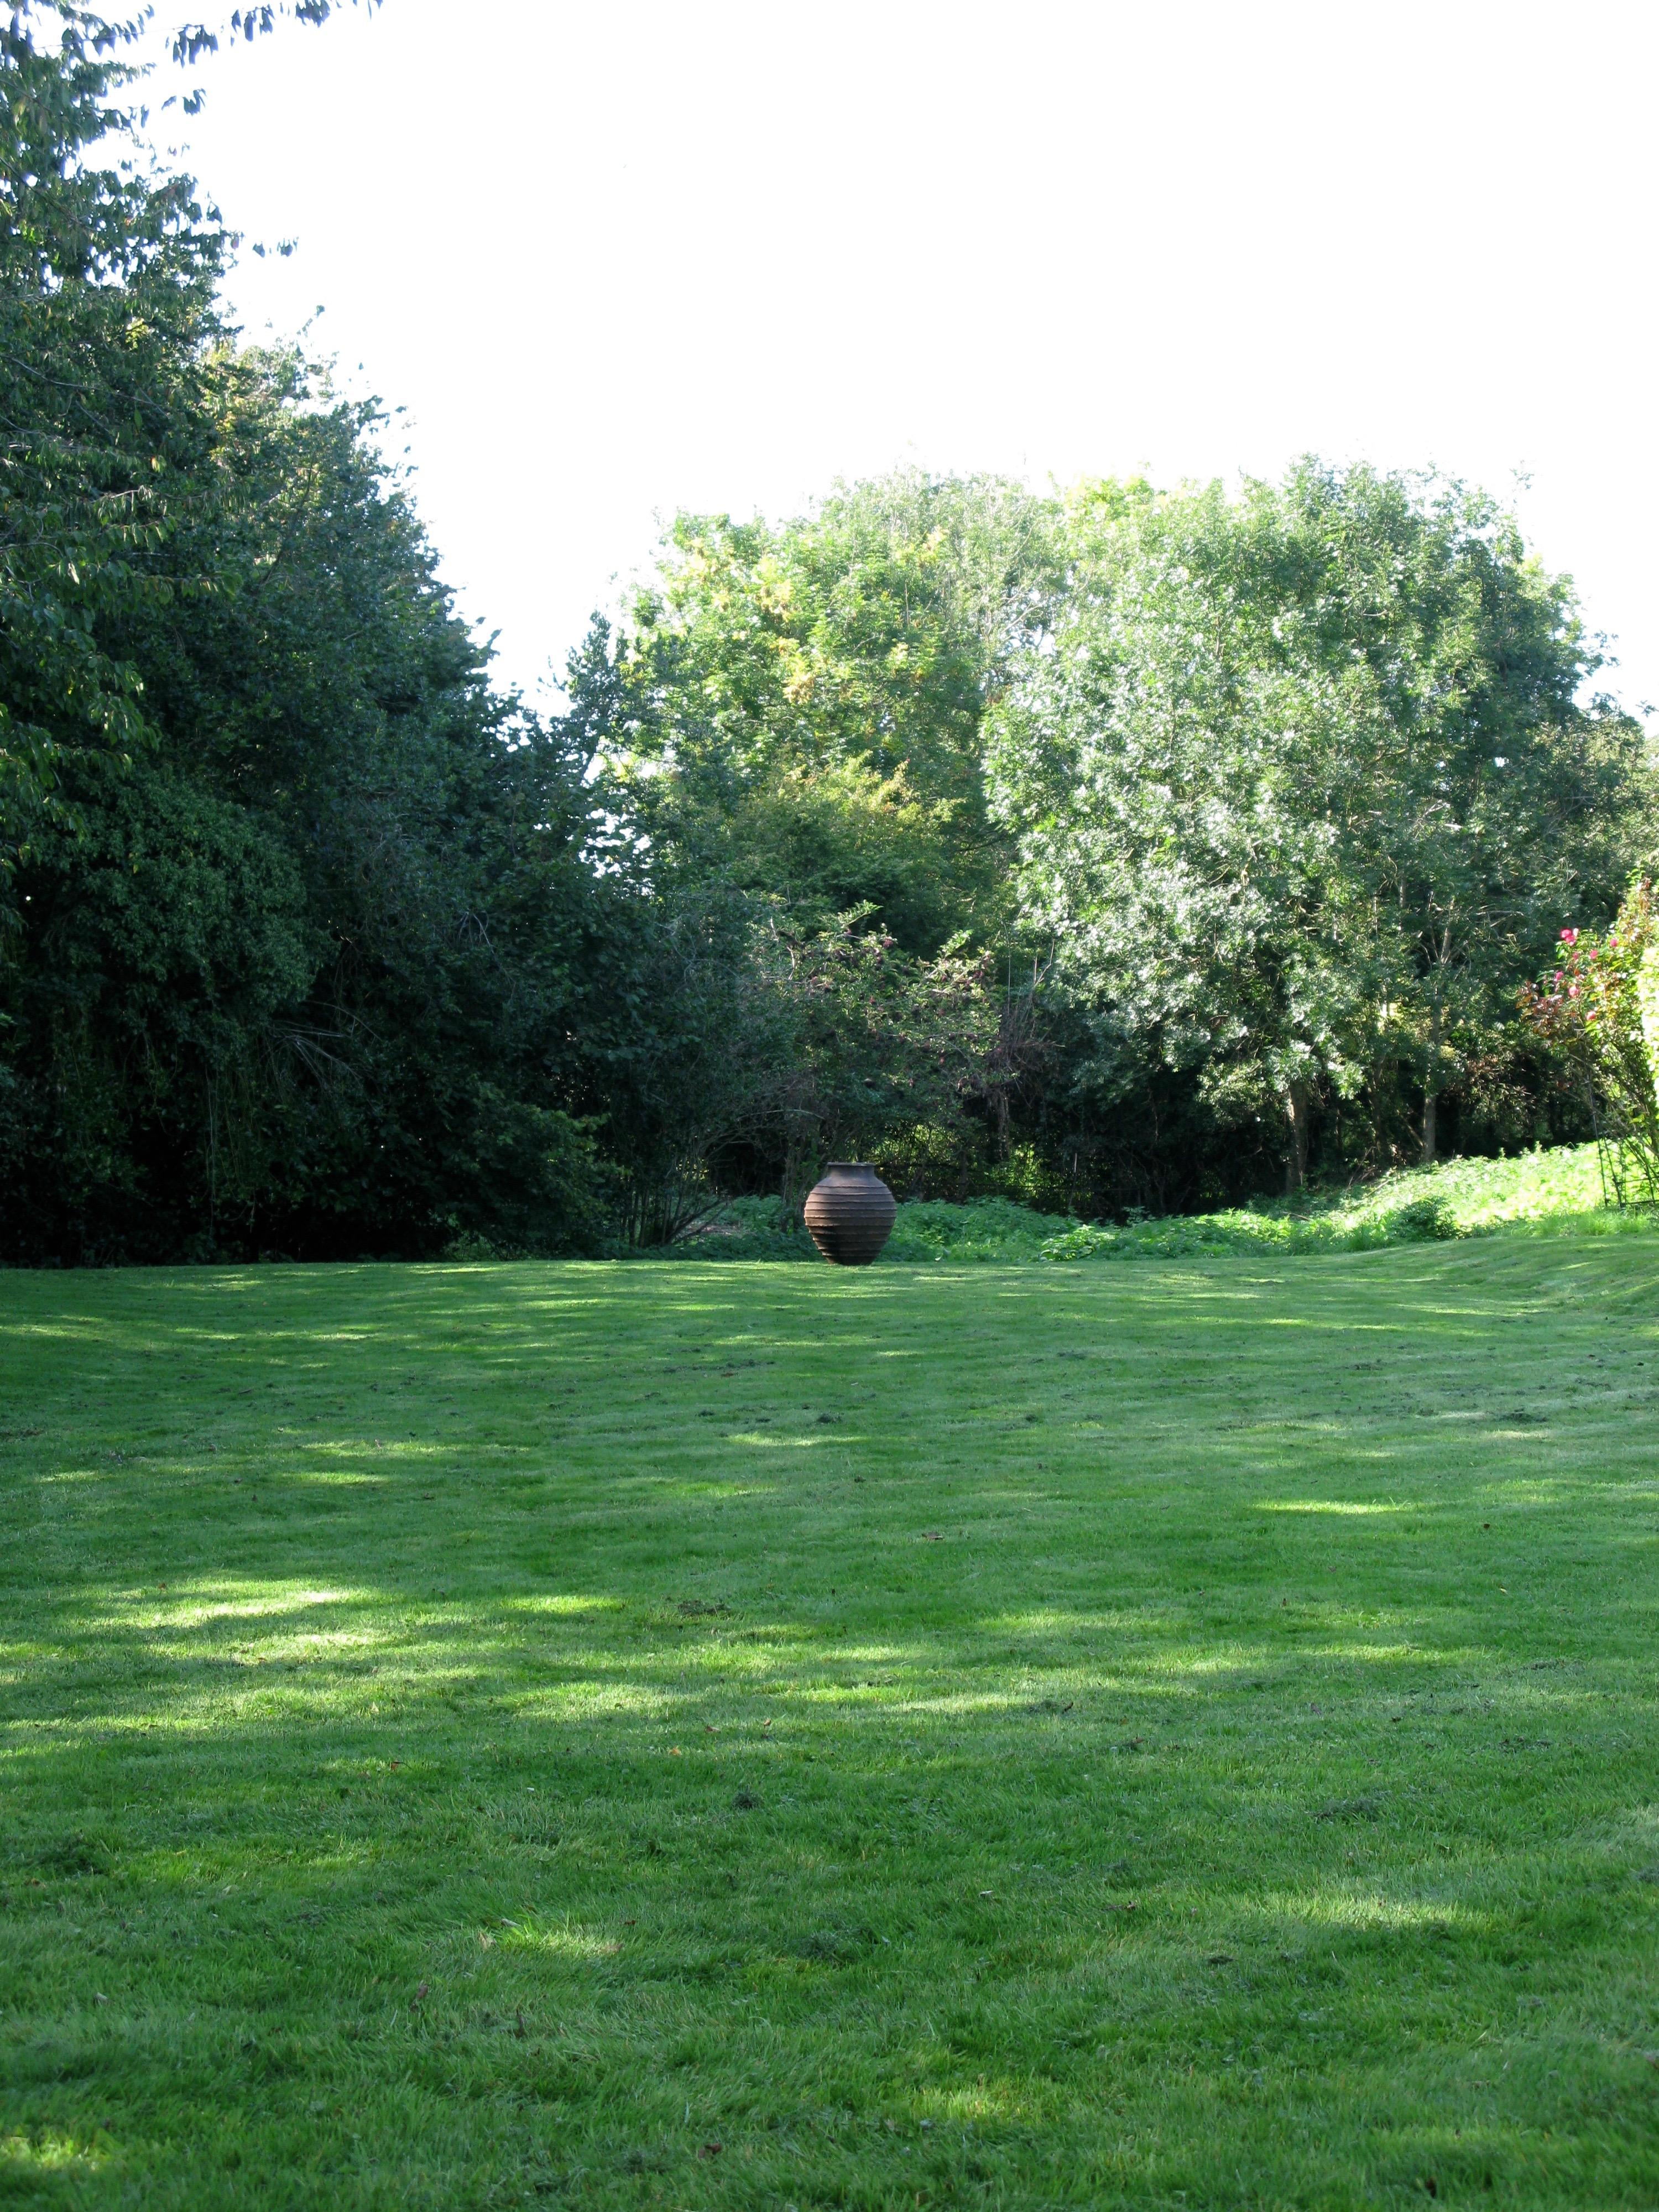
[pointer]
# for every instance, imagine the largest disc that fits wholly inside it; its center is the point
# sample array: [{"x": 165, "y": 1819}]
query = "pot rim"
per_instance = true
[{"x": 868, "y": 1166}]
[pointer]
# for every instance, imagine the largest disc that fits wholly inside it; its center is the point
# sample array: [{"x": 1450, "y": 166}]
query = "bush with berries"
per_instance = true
[{"x": 1599, "y": 1008}]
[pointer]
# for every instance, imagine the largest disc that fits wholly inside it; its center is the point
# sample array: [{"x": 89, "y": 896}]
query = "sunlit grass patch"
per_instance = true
[
  {"x": 1340, "y": 1507},
  {"x": 562, "y": 1941},
  {"x": 49, "y": 2154}
]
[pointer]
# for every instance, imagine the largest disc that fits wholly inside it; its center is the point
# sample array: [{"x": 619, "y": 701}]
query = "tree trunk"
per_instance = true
[
  {"x": 1431, "y": 1087},
  {"x": 1296, "y": 1165}
]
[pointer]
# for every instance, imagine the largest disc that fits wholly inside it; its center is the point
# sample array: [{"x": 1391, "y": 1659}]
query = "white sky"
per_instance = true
[{"x": 621, "y": 258}]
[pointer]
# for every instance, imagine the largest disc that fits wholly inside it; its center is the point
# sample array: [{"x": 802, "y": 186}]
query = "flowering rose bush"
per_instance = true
[{"x": 1599, "y": 1007}]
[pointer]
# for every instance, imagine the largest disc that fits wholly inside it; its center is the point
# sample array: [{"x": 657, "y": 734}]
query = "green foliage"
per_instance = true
[
  {"x": 787, "y": 733},
  {"x": 1424, "y": 1217},
  {"x": 883, "y": 1041},
  {"x": 754, "y": 1228},
  {"x": 982, "y": 1228},
  {"x": 1647, "y": 1008},
  {"x": 162, "y": 941},
  {"x": 302, "y": 912},
  {"x": 1554, "y": 1192},
  {"x": 805, "y": 703},
  {"x": 683, "y": 1052},
  {"x": 1596, "y": 1009},
  {"x": 1249, "y": 1231},
  {"x": 402, "y": 1068},
  {"x": 1045, "y": 1737},
  {"x": 986, "y": 1229},
  {"x": 747, "y": 1038},
  {"x": 107, "y": 284},
  {"x": 1304, "y": 784}
]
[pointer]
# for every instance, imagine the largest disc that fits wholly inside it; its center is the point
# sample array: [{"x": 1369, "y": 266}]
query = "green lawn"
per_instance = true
[{"x": 750, "y": 1735}]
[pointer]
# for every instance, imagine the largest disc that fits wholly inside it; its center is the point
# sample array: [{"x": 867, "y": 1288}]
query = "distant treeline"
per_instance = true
[{"x": 1127, "y": 849}]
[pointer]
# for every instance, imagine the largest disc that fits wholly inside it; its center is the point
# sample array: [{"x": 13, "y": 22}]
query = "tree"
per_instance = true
[
  {"x": 405, "y": 1073},
  {"x": 1304, "y": 781},
  {"x": 884, "y": 1044},
  {"x": 108, "y": 274},
  {"x": 806, "y": 703},
  {"x": 1478, "y": 797},
  {"x": 300, "y": 905},
  {"x": 106, "y": 286}
]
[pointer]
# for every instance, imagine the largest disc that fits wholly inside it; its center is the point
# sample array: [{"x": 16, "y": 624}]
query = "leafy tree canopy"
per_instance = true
[
  {"x": 807, "y": 702},
  {"x": 1307, "y": 779},
  {"x": 108, "y": 274},
  {"x": 298, "y": 907}
]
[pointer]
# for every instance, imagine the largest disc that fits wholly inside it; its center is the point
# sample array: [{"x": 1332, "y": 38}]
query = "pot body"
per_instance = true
[{"x": 850, "y": 1213}]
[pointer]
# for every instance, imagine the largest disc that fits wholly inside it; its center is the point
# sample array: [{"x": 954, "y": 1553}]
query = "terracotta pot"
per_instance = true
[{"x": 850, "y": 1213}]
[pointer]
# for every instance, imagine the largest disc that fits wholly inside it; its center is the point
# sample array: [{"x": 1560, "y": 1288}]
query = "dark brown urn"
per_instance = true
[{"x": 850, "y": 1213}]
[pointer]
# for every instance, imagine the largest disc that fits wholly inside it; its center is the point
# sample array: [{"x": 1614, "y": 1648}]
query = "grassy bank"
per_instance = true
[
  {"x": 1458, "y": 1198},
  {"x": 630, "y": 1736}
]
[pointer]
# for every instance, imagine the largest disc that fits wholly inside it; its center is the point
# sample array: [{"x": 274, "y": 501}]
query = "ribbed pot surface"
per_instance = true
[{"x": 850, "y": 1213}]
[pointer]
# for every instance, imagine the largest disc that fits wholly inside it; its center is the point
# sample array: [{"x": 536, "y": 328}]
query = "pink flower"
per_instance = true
[{"x": 1570, "y": 937}]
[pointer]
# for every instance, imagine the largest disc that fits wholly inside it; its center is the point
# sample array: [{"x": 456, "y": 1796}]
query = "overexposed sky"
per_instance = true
[{"x": 620, "y": 258}]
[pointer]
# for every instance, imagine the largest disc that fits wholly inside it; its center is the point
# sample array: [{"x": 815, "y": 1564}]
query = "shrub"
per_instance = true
[
  {"x": 1599, "y": 1009},
  {"x": 1424, "y": 1219}
]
